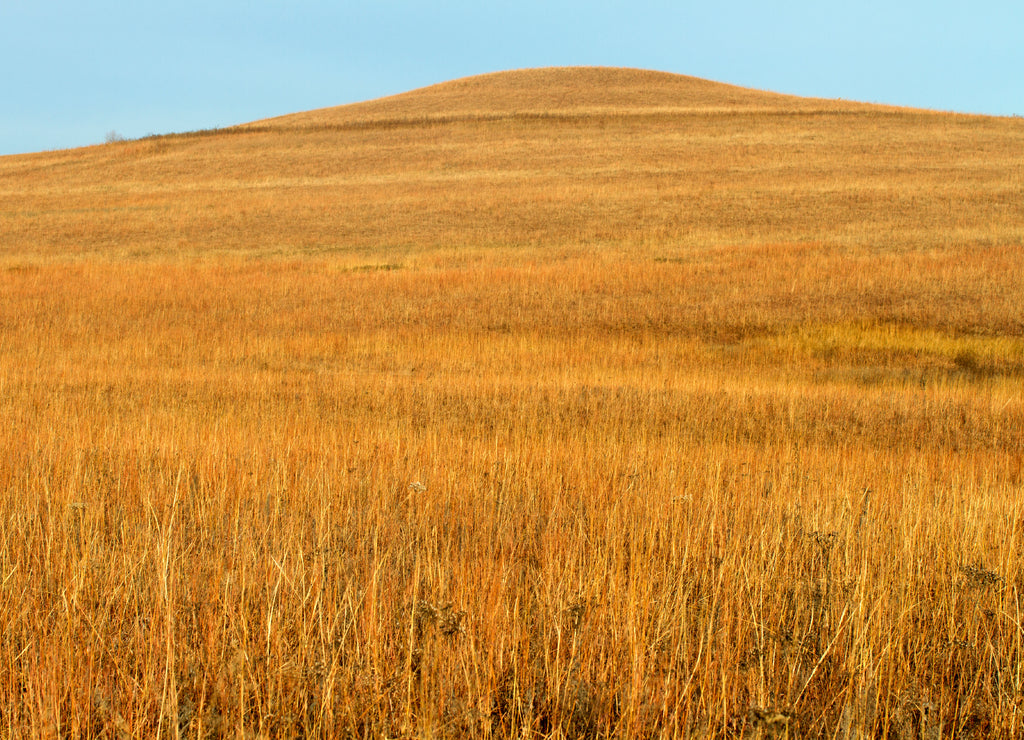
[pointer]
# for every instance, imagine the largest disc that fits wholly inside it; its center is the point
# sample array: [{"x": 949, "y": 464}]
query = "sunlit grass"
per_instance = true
[{"x": 697, "y": 421}]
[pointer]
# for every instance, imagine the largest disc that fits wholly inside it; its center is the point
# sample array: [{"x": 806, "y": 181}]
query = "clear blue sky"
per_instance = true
[{"x": 74, "y": 70}]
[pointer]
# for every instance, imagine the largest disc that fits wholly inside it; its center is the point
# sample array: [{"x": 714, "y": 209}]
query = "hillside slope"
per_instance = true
[{"x": 556, "y": 159}]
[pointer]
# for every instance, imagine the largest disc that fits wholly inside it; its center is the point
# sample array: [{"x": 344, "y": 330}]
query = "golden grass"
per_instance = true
[{"x": 568, "y": 403}]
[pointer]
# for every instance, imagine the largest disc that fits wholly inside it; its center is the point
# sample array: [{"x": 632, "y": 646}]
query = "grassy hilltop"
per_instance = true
[{"x": 552, "y": 403}]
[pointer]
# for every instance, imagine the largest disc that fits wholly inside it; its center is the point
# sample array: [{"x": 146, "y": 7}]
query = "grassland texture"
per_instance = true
[{"x": 666, "y": 410}]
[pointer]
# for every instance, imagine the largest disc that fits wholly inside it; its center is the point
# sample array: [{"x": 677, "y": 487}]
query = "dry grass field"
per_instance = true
[{"x": 562, "y": 403}]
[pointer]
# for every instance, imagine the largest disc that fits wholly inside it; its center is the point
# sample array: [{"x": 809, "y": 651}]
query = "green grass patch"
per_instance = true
[{"x": 889, "y": 353}]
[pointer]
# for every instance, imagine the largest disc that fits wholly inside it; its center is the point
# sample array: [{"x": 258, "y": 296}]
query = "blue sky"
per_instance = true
[{"x": 74, "y": 71}]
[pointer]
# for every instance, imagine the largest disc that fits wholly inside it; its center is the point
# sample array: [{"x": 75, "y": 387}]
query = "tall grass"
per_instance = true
[{"x": 283, "y": 499}]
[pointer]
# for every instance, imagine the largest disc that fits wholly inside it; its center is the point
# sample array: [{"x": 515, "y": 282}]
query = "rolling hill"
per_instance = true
[
  {"x": 555, "y": 92},
  {"x": 553, "y": 158}
]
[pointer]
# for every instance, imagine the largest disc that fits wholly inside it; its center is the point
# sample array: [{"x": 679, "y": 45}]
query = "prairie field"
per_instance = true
[{"x": 568, "y": 403}]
